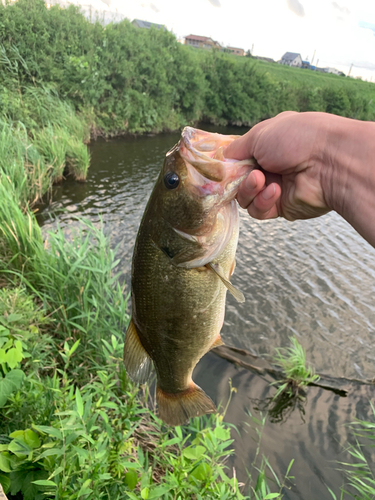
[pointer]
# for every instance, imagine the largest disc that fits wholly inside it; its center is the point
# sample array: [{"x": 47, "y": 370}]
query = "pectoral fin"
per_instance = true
[
  {"x": 218, "y": 342},
  {"x": 237, "y": 294},
  {"x": 138, "y": 363}
]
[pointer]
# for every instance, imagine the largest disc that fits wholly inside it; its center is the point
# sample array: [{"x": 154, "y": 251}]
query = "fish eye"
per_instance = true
[{"x": 171, "y": 180}]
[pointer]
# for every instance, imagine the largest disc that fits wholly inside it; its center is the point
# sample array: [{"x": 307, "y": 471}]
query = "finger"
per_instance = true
[
  {"x": 243, "y": 147},
  {"x": 264, "y": 205},
  {"x": 250, "y": 188}
]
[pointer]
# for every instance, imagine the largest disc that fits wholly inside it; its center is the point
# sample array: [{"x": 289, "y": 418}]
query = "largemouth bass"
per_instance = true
[{"x": 183, "y": 259}]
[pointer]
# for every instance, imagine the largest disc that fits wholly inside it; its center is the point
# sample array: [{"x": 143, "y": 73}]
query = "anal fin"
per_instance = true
[
  {"x": 138, "y": 363},
  {"x": 178, "y": 408},
  {"x": 237, "y": 294}
]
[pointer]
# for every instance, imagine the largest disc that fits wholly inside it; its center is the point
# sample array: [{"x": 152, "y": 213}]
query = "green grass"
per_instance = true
[{"x": 292, "y": 361}]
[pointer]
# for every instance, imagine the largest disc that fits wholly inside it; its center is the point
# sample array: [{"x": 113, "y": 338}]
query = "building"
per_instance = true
[
  {"x": 236, "y": 51},
  {"x": 292, "y": 59},
  {"x": 334, "y": 71},
  {"x": 306, "y": 65},
  {"x": 147, "y": 25},
  {"x": 202, "y": 42}
]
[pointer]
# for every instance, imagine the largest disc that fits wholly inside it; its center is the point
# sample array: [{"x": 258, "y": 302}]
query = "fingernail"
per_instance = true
[
  {"x": 251, "y": 181},
  {"x": 268, "y": 192}
]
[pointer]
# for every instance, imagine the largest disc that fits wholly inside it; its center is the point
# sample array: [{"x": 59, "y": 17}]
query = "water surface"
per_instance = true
[{"x": 312, "y": 279}]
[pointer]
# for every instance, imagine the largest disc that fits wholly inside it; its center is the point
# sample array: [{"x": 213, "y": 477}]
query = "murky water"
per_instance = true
[{"x": 313, "y": 279}]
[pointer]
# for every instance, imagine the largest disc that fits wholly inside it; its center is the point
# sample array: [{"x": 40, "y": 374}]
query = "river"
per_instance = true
[{"x": 311, "y": 279}]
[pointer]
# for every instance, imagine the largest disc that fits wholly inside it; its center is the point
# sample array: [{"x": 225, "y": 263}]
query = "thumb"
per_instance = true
[{"x": 243, "y": 147}]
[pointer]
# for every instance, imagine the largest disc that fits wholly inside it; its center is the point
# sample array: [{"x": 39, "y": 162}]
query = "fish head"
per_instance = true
[{"x": 197, "y": 181}]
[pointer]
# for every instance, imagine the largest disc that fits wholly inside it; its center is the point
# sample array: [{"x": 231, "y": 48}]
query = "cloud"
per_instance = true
[
  {"x": 296, "y": 7},
  {"x": 215, "y": 3},
  {"x": 343, "y": 10},
  {"x": 153, "y": 7},
  {"x": 107, "y": 2}
]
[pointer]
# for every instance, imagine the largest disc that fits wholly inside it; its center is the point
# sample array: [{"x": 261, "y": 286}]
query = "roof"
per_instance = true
[
  {"x": 147, "y": 24},
  {"x": 199, "y": 38},
  {"x": 234, "y": 48},
  {"x": 290, "y": 56}
]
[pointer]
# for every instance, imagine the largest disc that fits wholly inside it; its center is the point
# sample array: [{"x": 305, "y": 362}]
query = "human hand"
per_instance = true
[{"x": 291, "y": 151}]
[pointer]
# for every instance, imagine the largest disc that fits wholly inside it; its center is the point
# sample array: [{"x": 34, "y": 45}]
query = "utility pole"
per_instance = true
[
  {"x": 350, "y": 69},
  {"x": 312, "y": 60},
  {"x": 316, "y": 66},
  {"x": 252, "y": 50}
]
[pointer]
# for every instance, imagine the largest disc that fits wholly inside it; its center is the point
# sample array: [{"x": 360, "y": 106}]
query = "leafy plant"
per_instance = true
[{"x": 298, "y": 375}]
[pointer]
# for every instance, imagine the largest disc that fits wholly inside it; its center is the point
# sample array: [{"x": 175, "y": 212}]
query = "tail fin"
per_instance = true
[
  {"x": 138, "y": 363},
  {"x": 178, "y": 408}
]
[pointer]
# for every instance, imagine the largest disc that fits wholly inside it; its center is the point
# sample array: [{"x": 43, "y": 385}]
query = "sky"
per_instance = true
[{"x": 340, "y": 33}]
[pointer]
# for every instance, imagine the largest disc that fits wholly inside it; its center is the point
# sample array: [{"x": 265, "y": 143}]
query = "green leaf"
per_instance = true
[
  {"x": 79, "y": 402},
  {"x": 222, "y": 434},
  {"x": 5, "y": 462},
  {"x": 9, "y": 384},
  {"x": 32, "y": 439},
  {"x": 5, "y": 483},
  {"x": 202, "y": 472},
  {"x": 193, "y": 452},
  {"x": 144, "y": 493},
  {"x": 131, "y": 479},
  {"x": 159, "y": 491},
  {"x": 74, "y": 347},
  {"x": 48, "y": 430},
  {"x": 45, "y": 482},
  {"x": 13, "y": 357},
  {"x": 19, "y": 448},
  {"x": 13, "y": 317}
]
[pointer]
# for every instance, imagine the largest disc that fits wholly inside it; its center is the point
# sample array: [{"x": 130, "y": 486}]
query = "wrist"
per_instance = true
[{"x": 348, "y": 172}]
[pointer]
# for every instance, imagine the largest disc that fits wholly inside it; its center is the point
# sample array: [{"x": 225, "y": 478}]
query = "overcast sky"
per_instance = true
[{"x": 341, "y": 32}]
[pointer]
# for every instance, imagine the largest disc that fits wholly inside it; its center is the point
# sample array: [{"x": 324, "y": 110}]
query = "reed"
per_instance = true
[{"x": 77, "y": 158}]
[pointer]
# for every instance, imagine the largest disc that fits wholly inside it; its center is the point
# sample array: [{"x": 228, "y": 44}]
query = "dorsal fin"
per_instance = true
[{"x": 237, "y": 294}]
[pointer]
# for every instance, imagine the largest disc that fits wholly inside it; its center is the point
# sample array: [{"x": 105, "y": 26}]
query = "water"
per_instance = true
[{"x": 312, "y": 279}]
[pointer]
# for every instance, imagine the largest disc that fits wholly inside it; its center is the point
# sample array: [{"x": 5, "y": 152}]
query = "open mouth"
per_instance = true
[{"x": 204, "y": 151}]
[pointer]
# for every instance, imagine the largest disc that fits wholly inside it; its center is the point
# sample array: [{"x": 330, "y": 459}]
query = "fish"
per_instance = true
[{"x": 183, "y": 259}]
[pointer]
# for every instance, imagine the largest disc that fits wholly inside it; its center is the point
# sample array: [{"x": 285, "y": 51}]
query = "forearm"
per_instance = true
[{"x": 348, "y": 176}]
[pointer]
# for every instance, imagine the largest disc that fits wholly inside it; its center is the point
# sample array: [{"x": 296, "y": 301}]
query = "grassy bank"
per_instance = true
[{"x": 41, "y": 137}]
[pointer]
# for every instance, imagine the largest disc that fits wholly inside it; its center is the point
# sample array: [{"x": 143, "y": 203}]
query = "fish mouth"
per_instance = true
[{"x": 203, "y": 155}]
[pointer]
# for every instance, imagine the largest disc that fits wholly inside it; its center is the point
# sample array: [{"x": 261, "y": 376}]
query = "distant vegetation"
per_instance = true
[{"x": 123, "y": 79}]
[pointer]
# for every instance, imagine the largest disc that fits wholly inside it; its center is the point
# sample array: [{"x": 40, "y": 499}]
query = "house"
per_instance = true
[
  {"x": 202, "y": 42},
  {"x": 292, "y": 59},
  {"x": 236, "y": 51},
  {"x": 147, "y": 25}
]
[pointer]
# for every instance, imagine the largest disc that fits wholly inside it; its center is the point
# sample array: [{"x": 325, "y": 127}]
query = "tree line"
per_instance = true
[{"x": 125, "y": 79}]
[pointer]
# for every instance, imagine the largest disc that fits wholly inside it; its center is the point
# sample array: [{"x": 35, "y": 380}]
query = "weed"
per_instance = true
[{"x": 298, "y": 375}]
